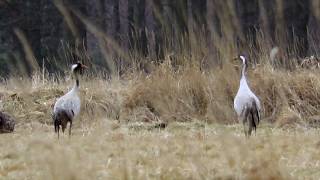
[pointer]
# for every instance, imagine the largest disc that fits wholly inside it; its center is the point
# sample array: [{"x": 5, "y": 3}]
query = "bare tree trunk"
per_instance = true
[
  {"x": 110, "y": 20},
  {"x": 110, "y": 26},
  {"x": 170, "y": 27},
  {"x": 124, "y": 24},
  {"x": 51, "y": 33},
  {"x": 33, "y": 31},
  {"x": 296, "y": 17},
  {"x": 159, "y": 29},
  {"x": 150, "y": 27},
  {"x": 167, "y": 14},
  {"x": 314, "y": 35},
  {"x": 190, "y": 28},
  {"x": 190, "y": 17},
  {"x": 267, "y": 13},
  {"x": 211, "y": 29},
  {"x": 123, "y": 31},
  {"x": 81, "y": 5},
  {"x": 92, "y": 41}
]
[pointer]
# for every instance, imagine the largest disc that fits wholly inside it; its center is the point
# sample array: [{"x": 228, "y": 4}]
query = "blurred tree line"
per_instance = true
[{"x": 59, "y": 31}]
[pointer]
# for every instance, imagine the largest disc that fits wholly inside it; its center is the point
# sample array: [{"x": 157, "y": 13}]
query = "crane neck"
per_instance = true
[
  {"x": 77, "y": 83},
  {"x": 243, "y": 72},
  {"x": 75, "y": 88}
]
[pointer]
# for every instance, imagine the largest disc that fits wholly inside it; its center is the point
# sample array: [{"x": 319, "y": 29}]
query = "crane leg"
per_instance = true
[
  {"x": 70, "y": 126},
  {"x": 245, "y": 121},
  {"x": 58, "y": 130},
  {"x": 249, "y": 130}
]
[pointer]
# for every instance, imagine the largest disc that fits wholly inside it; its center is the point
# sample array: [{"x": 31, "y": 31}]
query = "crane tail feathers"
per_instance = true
[
  {"x": 255, "y": 116},
  {"x": 251, "y": 118},
  {"x": 61, "y": 118}
]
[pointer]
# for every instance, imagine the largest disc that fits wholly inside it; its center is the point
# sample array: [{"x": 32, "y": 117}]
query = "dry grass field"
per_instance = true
[
  {"x": 192, "y": 150},
  {"x": 118, "y": 136}
]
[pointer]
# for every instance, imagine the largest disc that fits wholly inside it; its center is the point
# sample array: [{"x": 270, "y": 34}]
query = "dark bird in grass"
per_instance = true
[
  {"x": 7, "y": 123},
  {"x": 67, "y": 107}
]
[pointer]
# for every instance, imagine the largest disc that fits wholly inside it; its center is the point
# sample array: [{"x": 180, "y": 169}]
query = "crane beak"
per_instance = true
[
  {"x": 235, "y": 62},
  {"x": 235, "y": 65},
  {"x": 84, "y": 66},
  {"x": 235, "y": 59}
]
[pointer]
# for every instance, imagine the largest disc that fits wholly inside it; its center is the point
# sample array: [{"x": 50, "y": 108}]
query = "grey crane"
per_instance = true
[
  {"x": 246, "y": 103},
  {"x": 67, "y": 107}
]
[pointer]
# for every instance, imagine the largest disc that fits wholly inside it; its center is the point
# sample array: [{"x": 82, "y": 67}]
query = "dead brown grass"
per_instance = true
[{"x": 170, "y": 94}]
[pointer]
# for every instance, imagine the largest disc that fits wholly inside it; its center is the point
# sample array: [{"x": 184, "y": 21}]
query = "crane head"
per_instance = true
[
  {"x": 242, "y": 58},
  {"x": 78, "y": 67}
]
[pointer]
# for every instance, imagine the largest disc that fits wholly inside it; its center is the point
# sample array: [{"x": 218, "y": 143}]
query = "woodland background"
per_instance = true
[{"x": 109, "y": 34}]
